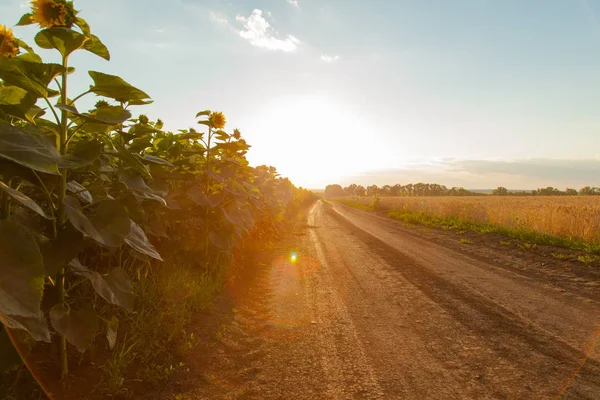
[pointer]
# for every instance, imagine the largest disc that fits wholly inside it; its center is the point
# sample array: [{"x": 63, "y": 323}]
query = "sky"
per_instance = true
[{"x": 472, "y": 93}]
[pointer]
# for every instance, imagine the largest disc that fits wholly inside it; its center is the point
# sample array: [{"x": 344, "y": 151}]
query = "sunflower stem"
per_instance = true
[
  {"x": 60, "y": 279},
  {"x": 206, "y": 213}
]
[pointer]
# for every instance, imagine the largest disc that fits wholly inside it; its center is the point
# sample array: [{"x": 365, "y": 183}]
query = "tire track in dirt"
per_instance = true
[{"x": 356, "y": 317}]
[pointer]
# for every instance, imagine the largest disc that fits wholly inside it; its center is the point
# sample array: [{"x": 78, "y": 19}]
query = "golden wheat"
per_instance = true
[{"x": 570, "y": 217}]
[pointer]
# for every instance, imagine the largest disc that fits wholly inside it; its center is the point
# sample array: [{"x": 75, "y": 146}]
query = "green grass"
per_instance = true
[
  {"x": 466, "y": 241},
  {"x": 563, "y": 256},
  {"x": 528, "y": 236},
  {"x": 356, "y": 205},
  {"x": 587, "y": 259},
  {"x": 452, "y": 223}
]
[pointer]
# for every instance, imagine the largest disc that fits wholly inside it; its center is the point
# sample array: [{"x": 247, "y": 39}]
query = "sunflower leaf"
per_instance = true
[{"x": 64, "y": 40}]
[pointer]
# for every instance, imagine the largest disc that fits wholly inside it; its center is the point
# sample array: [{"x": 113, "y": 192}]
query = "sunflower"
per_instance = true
[
  {"x": 217, "y": 120},
  {"x": 49, "y": 13},
  {"x": 8, "y": 44}
]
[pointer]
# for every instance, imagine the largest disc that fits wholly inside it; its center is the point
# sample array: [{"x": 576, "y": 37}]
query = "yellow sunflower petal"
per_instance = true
[
  {"x": 8, "y": 44},
  {"x": 48, "y": 13},
  {"x": 217, "y": 120}
]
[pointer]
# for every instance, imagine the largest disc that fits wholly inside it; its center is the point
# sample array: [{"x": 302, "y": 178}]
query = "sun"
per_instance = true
[{"x": 313, "y": 139}]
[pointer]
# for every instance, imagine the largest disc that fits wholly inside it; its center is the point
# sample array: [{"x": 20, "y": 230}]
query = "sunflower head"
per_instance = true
[
  {"x": 8, "y": 45},
  {"x": 102, "y": 103},
  {"x": 217, "y": 120},
  {"x": 50, "y": 13},
  {"x": 237, "y": 134}
]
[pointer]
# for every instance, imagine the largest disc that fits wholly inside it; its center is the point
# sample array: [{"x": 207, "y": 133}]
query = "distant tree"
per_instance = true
[
  {"x": 548, "y": 191},
  {"x": 334, "y": 191},
  {"x": 372, "y": 190},
  {"x": 571, "y": 192},
  {"x": 589, "y": 191},
  {"x": 500, "y": 191}
]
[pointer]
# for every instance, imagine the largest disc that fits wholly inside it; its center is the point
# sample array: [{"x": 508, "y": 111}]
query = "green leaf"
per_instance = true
[
  {"x": 232, "y": 214},
  {"x": 111, "y": 115},
  {"x": 115, "y": 87},
  {"x": 95, "y": 45},
  {"x": 198, "y": 196},
  {"x": 26, "y": 19},
  {"x": 156, "y": 227},
  {"x": 36, "y": 326},
  {"x": 108, "y": 226},
  {"x": 134, "y": 208},
  {"x": 31, "y": 76},
  {"x": 131, "y": 160},
  {"x": 21, "y": 271},
  {"x": 80, "y": 191},
  {"x": 138, "y": 240},
  {"x": 205, "y": 112},
  {"x": 112, "y": 329},
  {"x": 215, "y": 176},
  {"x": 215, "y": 199},
  {"x": 189, "y": 136},
  {"x": 60, "y": 251},
  {"x": 83, "y": 25},
  {"x": 140, "y": 144},
  {"x": 222, "y": 135},
  {"x": 116, "y": 288},
  {"x": 83, "y": 153},
  {"x": 64, "y": 40},
  {"x": 156, "y": 160},
  {"x": 23, "y": 199},
  {"x": 17, "y": 102},
  {"x": 31, "y": 57},
  {"x": 78, "y": 327},
  {"x": 140, "y": 102}
]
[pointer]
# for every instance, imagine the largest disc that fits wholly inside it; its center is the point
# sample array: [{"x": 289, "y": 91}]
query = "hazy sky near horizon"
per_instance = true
[{"x": 476, "y": 93}]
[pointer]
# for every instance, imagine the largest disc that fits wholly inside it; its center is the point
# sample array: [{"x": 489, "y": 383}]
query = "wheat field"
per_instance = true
[{"x": 573, "y": 217}]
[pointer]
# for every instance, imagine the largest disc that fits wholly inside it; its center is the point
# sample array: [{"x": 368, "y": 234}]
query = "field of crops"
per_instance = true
[
  {"x": 92, "y": 202},
  {"x": 573, "y": 217}
]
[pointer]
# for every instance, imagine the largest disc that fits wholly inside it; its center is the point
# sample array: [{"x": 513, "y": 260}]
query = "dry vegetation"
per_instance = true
[{"x": 573, "y": 218}]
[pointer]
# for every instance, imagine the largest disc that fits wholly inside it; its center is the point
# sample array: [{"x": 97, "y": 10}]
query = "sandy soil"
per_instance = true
[{"x": 372, "y": 309}]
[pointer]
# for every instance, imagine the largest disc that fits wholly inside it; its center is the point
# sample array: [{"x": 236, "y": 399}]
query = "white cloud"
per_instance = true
[
  {"x": 23, "y": 4},
  {"x": 329, "y": 59},
  {"x": 218, "y": 18},
  {"x": 258, "y": 32},
  {"x": 161, "y": 30},
  {"x": 293, "y": 2}
]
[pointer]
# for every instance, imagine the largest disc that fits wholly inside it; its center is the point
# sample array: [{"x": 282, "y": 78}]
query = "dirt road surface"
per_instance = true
[{"x": 372, "y": 309}]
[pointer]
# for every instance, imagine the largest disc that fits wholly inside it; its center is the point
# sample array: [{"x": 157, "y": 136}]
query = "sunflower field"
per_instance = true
[{"x": 93, "y": 201}]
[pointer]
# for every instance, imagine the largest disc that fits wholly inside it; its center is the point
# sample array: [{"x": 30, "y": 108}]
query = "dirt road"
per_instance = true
[{"x": 375, "y": 310}]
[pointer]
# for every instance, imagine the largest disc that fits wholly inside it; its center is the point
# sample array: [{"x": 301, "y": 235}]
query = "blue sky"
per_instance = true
[{"x": 476, "y": 93}]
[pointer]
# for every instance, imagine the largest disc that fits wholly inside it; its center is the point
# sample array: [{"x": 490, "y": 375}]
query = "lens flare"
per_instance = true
[{"x": 294, "y": 257}]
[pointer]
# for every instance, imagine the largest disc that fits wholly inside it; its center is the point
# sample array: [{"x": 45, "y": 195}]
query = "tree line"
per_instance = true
[{"x": 434, "y": 189}]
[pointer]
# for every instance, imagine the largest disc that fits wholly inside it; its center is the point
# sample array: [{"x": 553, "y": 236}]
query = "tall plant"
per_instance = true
[
  {"x": 52, "y": 166},
  {"x": 81, "y": 191}
]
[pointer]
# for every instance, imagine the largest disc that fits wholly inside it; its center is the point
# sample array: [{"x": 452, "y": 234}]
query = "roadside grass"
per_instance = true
[
  {"x": 167, "y": 303},
  {"x": 460, "y": 225},
  {"x": 563, "y": 256},
  {"x": 466, "y": 241}
]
